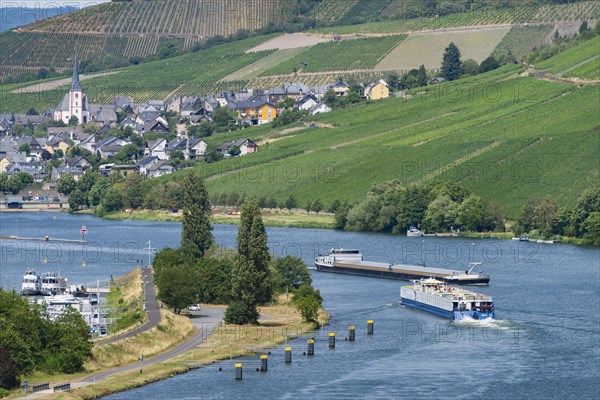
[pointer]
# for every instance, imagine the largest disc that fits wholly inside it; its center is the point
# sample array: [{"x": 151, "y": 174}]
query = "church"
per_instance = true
[{"x": 74, "y": 104}]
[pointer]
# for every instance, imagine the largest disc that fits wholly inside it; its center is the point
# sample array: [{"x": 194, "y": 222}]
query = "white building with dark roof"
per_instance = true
[{"x": 74, "y": 104}]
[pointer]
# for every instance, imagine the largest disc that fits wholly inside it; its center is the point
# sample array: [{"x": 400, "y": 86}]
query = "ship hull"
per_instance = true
[
  {"x": 452, "y": 315},
  {"x": 393, "y": 274}
]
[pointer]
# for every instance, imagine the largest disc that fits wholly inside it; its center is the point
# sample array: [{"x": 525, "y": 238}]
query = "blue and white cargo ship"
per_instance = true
[{"x": 450, "y": 302}]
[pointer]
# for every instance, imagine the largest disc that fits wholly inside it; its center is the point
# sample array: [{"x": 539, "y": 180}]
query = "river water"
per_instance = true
[{"x": 544, "y": 344}]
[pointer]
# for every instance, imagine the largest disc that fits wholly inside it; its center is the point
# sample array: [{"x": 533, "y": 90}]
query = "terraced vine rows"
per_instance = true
[
  {"x": 199, "y": 18},
  {"x": 339, "y": 56},
  {"x": 367, "y": 9},
  {"x": 522, "y": 39}
]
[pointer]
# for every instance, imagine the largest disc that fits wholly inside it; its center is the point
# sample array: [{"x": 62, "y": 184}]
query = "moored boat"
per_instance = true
[
  {"x": 414, "y": 232},
  {"x": 32, "y": 284},
  {"x": 52, "y": 284},
  {"x": 450, "y": 302},
  {"x": 350, "y": 261}
]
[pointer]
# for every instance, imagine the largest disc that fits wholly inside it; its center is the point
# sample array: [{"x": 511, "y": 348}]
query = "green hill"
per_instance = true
[{"x": 503, "y": 137}]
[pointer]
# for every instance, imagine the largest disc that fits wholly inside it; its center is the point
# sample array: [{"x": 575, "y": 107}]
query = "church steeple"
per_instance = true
[{"x": 75, "y": 86}]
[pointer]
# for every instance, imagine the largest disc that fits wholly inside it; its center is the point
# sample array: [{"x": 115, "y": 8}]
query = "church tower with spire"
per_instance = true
[{"x": 74, "y": 104}]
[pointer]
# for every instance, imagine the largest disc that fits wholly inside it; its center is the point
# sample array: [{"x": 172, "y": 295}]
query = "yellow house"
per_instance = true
[
  {"x": 62, "y": 145},
  {"x": 4, "y": 163},
  {"x": 377, "y": 90},
  {"x": 256, "y": 111}
]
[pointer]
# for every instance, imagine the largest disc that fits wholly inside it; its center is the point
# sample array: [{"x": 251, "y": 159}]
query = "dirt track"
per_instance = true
[{"x": 44, "y": 86}]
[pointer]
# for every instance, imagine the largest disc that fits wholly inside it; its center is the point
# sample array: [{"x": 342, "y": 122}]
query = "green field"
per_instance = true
[
  {"x": 520, "y": 40},
  {"x": 504, "y": 138},
  {"x": 342, "y": 55},
  {"x": 573, "y": 58}
]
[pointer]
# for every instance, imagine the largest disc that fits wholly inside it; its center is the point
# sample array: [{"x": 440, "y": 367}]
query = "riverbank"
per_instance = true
[
  {"x": 276, "y": 218},
  {"x": 178, "y": 344},
  {"x": 279, "y": 323}
]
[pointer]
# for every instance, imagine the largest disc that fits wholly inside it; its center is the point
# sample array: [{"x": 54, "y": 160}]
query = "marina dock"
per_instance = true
[{"x": 43, "y": 239}]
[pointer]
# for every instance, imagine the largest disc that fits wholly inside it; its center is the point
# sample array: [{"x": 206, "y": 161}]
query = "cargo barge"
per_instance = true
[
  {"x": 350, "y": 261},
  {"x": 438, "y": 298}
]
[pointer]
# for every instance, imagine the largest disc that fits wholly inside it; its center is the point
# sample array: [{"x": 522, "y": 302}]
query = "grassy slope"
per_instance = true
[
  {"x": 576, "y": 56},
  {"x": 505, "y": 139}
]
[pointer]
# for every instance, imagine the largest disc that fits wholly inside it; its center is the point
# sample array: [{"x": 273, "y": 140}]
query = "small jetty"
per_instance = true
[{"x": 43, "y": 239}]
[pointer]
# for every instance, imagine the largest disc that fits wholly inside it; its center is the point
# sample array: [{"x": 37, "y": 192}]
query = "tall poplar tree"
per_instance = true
[
  {"x": 251, "y": 278},
  {"x": 196, "y": 236},
  {"x": 452, "y": 65}
]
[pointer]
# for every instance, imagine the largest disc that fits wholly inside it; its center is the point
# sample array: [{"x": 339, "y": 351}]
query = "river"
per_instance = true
[{"x": 544, "y": 344}]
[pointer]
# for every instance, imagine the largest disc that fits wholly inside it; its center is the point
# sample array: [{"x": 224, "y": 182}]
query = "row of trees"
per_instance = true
[
  {"x": 14, "y": 183},
  {"x": 544, "y": 218},
  {"x": 243, "y": 279},
  {"x": 392, "y": 207},
  {"x": 454, "y": 68},
  {"x": 30, "y": 341}
]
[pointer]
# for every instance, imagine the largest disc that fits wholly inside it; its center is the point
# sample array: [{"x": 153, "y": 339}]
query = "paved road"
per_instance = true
[
  {"x": 205, "y": 321},
  {"x": 152, "y": 309}
]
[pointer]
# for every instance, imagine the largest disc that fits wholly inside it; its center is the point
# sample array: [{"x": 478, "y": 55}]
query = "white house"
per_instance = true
[{"x": 320, "y": 108}]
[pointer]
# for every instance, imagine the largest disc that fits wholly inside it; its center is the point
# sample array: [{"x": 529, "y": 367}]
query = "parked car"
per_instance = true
[{"x": 194, "y": 307}]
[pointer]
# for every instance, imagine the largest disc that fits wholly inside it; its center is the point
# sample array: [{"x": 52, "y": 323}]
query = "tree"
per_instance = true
[
  {"x": 471, "y": 67},
  {"x": 112, "y": 199},
  {"x": 308, "y": 206},
  {"x": 97, "y": 191},
  {"x": 292, "y": 273},
  {"x": 25, "y": 148},
  {"x": 66, "y": 184},
  {"x": 73, "y": 121},
  {"x": 333, "y": 207},
  {"x": 234, "y": 151},
  {"x": 215, "y": 280},
  {"x": 222, "y": 116},
  {"x": 317, "y": 206},
  {"x": 196, "y": 236},
  {"x": 77, "y": 200},
  {"x": 591, "y": 227},
  {"x": 251, "y": 280},
  {"x": 126, "y": 153},
  {"x": 470, "y": 214},
  {"x": 489, "y": 64},
  {"x": 330, "y": 98},
  {"x": 543, "y": 215},
  {"x": 452, "y": 64},
  {"x": 584, "y": 27},
  {"x": 32, "y": 111},
  {"x": 291, "y": 202},
  {"x": 422, "y": 76},
  {"x": 440, "y": 214},
  {"x": 341, "y": 217},
  {"x": 308, "y": 301},
  {"x": 175, "y": 289}
]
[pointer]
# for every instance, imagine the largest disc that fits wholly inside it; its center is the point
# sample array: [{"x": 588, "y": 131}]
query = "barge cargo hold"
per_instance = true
[
  {"x": 349, "y": 261},
  {"x": 450, "y": 302}
]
